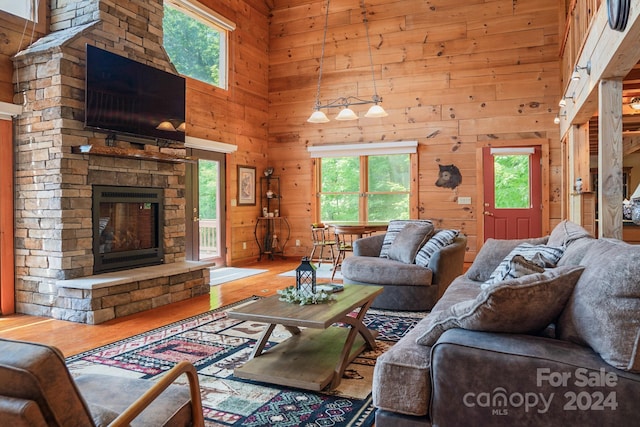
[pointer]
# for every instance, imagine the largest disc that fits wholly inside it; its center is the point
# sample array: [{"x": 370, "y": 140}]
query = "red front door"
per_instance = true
[{"x": 512, "y": 192}]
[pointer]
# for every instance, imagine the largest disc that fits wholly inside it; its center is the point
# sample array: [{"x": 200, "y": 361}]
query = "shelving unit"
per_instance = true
[{"x": 272, "y": 231}]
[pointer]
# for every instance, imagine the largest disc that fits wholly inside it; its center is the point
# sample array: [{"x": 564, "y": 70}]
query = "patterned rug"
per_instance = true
[{"x": 216, "y": 344}]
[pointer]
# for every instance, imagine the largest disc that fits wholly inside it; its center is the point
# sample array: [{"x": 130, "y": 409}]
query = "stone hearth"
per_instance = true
[{"x": 54, "y": 183}]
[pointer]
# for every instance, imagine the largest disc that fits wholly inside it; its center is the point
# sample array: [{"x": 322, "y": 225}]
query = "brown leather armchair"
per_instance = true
[{"x": 37, "y": 389}]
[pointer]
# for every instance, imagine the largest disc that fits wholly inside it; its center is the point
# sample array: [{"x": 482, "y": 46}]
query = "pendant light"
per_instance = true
[{"x": 345, "y": 102}]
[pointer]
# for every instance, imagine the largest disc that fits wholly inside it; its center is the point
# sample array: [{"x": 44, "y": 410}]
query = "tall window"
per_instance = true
[
  {"x": 196, "y": 39},
  {"x": 364, "y": 188}
]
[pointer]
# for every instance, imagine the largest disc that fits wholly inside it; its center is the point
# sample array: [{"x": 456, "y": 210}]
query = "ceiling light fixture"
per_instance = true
[
  {"x": 345, "y": 102},
  {"x": 635, "y": 103},
  {"x": 576, "y": 71}
]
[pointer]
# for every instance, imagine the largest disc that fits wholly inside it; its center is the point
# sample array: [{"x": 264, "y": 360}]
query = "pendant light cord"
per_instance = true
[
  {"x": 365, "y": 19},
  {"x": 324, "y": 41}
]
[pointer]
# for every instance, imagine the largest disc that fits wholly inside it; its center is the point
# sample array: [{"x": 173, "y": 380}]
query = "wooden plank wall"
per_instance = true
[
  {"x": 453, "y": 75},
  {"x": 13, "y": 38}
]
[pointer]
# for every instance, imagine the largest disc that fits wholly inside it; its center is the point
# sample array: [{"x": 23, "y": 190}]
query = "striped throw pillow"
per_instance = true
[
  {"x": 542, "y": 255},
  {"x": 438, "y": 241}
]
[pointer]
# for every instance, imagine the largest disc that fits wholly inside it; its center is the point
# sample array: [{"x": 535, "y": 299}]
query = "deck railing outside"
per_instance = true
[{"x": 209, "y": 238}]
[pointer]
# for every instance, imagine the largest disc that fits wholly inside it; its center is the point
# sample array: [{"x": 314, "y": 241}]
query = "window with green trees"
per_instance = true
[
  {"x": 364, "y": 188},
  {"x": 196, "y": 45}
]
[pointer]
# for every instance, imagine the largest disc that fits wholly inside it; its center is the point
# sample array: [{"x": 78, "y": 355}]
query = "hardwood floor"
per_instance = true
[{"x": 73, "y": 338}]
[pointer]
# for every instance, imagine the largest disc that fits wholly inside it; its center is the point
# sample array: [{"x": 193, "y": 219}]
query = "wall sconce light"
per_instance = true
[
  {"x": 635, "y": 103},
  {"x": 563, "y": 101},
  {"x": 576, "y": 72},
  {"x": 556, "y": 120}
]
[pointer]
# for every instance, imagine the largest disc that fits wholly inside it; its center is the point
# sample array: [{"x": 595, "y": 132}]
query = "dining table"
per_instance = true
[{"x": 357, "y": 228}]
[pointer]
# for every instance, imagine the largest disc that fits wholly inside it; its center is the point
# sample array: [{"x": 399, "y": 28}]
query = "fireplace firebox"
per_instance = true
[{"x": 127, "y": 227}]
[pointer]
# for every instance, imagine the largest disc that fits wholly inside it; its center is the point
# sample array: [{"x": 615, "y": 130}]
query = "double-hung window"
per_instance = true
[
  {"x": 196, "y": 39},
  {"x": 363, "y": 182}
]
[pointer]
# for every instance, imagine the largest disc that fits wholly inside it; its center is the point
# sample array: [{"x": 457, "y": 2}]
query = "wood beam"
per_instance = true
[
  {"x": 578, "y": 150},
  {"x": 610, "y": 158}
]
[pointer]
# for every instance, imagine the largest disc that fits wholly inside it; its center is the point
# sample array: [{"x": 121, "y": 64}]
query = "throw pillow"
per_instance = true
[
  {"x": 542, "y": 255},
  {"x": 408, "y": 241},
  {"x": 439, "y": 240},
  {"x": 524, "y": 305},
  {"x": 519, "y": 266},
  {"x": 492, "y": 253},
  {"x": 565, "y": 233},
  {"x": 395, "y": 226},
  {"x": 604, "y": 310}
]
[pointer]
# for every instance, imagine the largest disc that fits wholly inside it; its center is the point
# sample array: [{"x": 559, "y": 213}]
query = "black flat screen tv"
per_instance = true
[{"x": 127, "y": 97}]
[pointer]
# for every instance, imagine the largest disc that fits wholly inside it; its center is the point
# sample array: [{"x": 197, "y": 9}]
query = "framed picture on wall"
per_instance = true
[{"x": 246, "y": 185}]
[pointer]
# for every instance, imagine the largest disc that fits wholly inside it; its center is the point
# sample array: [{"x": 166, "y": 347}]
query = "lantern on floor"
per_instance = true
[{"x": 306, "y": 278}]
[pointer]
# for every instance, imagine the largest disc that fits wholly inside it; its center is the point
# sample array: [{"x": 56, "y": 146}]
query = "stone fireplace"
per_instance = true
[{"x": 55, "y": 182}]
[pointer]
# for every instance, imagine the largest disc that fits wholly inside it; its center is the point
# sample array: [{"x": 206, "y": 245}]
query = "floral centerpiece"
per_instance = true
[{"x": 292, "y": 295}]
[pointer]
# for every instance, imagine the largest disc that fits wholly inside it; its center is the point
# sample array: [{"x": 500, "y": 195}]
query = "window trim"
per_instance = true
[
  {"x": 364, "y": 152},
  {"x": 202, "y": 13},
  {"x": 366, "y": 149}
]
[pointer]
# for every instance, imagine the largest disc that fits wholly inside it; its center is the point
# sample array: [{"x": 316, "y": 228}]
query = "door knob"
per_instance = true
[
  {"x": 196, "y": 219},
  {"x": 488, "y": 213}
]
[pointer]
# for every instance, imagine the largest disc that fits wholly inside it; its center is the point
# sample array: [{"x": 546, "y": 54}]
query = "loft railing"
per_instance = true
[{"x": 580, "y": 14}]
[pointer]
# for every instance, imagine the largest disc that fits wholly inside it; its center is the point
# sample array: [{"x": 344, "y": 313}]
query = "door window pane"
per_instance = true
[
  {"x": 209, "y": 224},
  {"x": 511, "y": 180}
]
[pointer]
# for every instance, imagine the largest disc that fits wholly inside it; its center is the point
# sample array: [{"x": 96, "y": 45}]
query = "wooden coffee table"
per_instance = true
[{"x": 315, "y": 357}]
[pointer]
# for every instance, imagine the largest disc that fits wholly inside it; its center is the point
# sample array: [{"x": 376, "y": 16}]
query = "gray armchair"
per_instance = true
[
  {"x": 407, "y": 287},
  {"x": 36, "y": 389}
]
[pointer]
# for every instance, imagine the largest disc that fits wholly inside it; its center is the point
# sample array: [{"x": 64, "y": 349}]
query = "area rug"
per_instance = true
[
  {"x": 216, "y": 344},
  {"x": 322, "y": 272},
  {"x": 229, "y": 274}
]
